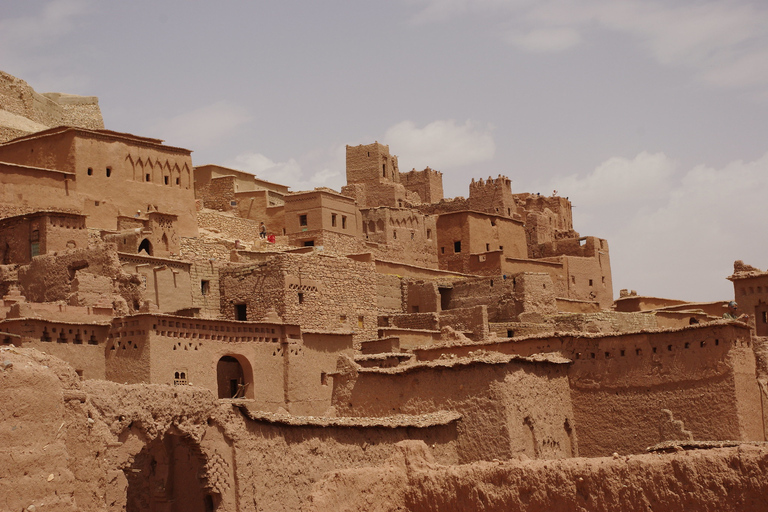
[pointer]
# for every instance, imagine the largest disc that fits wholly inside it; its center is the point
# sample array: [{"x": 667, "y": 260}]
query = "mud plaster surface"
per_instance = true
[{"x": 68, "y": 445}]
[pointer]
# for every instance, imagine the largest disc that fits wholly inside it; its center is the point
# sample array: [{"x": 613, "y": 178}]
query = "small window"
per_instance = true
[
  {"x": 333, "y": 220},
  {"x": 166, "y": 179},
  {"x": 412, "y": 235},
  {"x": 590, "y": 282},
  {"x": 457, "y": 246},
  {"x": 180, "y": 378},
  {"x": 205, "y": 287},
  {"x": 309, "y": 243},
  {"x": 493, "y": 222},
  {"x": 342, "y": 319},
  {"x": 429, "y": 234},
  {"x": 414, "y": 309},
  {"x": 109, "y": 172},
  {"x": 90, "y": 171},
  {"x": 177, "y": 181},
  {"x": 573, "y": 279},
  {"x": 510, "y": 333},
  {"x": 442, "y": 250},
  {"x": 323, "y": 379},
  {"x": 301, "y": 298},
  {"x": 383, "y": 170},
  {"x": 302, "y": 220},
  {"x": 241, "y": 312},
  {"x": 146, "y": 177},
  {"x": 394, "y": 234},
  {"x": 343, "y": 222},
  {"x": 360, "y": 321},
  {"x": 487, "y": 247}
]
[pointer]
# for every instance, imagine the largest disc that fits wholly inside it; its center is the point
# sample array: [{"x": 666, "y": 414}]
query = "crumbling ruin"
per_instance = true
[{"x": 375, "y": 348}]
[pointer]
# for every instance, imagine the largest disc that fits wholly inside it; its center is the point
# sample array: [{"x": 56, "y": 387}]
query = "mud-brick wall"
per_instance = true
[
  {"x": 218, "y": 193},
  {"x": 604, "y": 321},
  {"x": 343, "y": 296},
  {"x": 232, "y": 227},
  {"x": 621, "y": 385},
  {"x": 309, "y": 386},
  {"x": 205, "y": 248},
  {"x": 389, "y": 293},
  {"x": 207, "y": 297},
  {"x": 315, "y": 291},
  {"x": 507, "y": 408}
]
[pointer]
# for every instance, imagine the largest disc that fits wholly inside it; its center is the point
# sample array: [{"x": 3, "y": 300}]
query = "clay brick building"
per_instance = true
[
  {"x": 117, "y": 174},
  {"x": 30, "y": 235}
]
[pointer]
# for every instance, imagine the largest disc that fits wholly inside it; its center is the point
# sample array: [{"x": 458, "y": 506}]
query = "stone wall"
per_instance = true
[
  {"x": 315, "y": 291},
  {"x": 27, "y": 111}
]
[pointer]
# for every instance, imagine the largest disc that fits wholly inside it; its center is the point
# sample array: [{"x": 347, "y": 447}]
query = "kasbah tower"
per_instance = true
[{"x": 379, "y": 347}]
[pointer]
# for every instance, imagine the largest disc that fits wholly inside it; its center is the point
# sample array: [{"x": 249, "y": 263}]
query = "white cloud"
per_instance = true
[
  {"x": 723, "y": 42},
  {"x": 202, "y": 127},
  {"x": 545, "y": 40},
  {"x": 671, "y": 232},
  {"x": 328, "y": 168},
  {"x": 286, "y": 173},
  {"x": 26, "y": 44},
  {"x": 56, "y": 19},
  {"x": 442, "y": 144}
]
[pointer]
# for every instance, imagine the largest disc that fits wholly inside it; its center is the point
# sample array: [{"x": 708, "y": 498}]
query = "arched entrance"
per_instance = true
[
  {"x": 145, "y": 246},
  {"x": 165, "y": 476},
  {"x": 234, "y": 377}
]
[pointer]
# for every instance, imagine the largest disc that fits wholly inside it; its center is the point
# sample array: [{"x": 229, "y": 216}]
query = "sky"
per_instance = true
[{"x": 649, "y": 115}]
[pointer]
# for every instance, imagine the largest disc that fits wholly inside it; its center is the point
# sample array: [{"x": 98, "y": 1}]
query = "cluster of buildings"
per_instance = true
[{"x": 382, "y": 300}]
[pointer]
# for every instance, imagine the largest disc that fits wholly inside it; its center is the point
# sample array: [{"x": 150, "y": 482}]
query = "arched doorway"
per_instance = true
[
  {"x": 145, "y": 246},
  {"x": 165, "y": 475},
  {"x": 234, "y": 377}
]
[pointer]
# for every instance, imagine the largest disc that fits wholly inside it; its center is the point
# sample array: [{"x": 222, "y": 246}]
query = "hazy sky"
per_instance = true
[{"x": 649, "y": 115}]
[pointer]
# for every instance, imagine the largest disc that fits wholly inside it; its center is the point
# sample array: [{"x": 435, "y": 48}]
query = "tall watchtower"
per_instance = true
[
  {"x": 493, "y": 196},
  {"x": 371, "y": 163}
]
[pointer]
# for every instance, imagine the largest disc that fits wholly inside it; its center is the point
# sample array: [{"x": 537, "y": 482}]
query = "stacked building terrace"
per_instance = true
[{"x": 370, "y": 307}]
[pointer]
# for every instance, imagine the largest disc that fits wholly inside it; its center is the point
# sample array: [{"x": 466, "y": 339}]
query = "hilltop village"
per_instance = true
[{"x": 214, "y": 341}]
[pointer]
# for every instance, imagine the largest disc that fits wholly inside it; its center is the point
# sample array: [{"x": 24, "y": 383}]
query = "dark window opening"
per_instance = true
[
  {"x": 109, "y": 172},
  {"x": 177, "y": 181},
  {"x": 301, "y": 298},
  {"x": 302, "y": 220},
  {"x": 442, "y": 250},
  {"x": 445, "y": 298},
  {"x": 309, "y": 243},
  {"x": 383, "y": 170},
  {"x": 343, "y": 222},
  {"x": 429, "y": 234},
  {"x": 590, "y": 282},
  {"x": 457, "y": 246},
  {"x": 323, "y": 379},
  {"x": 487, "y": 247},
  {"x": 414, "y": 309},
  {"x": 510, "y": 333},
  {"x": 90, "y": 171},
  {"x": 166, "y": 179},
  {"x": 241, "y": 312},
  {"x": 146, "y": 177},
  {"x": 145, "y": 246},
  {"x": 333, "y": 220},
  {"x": 205, "y": 287}
]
